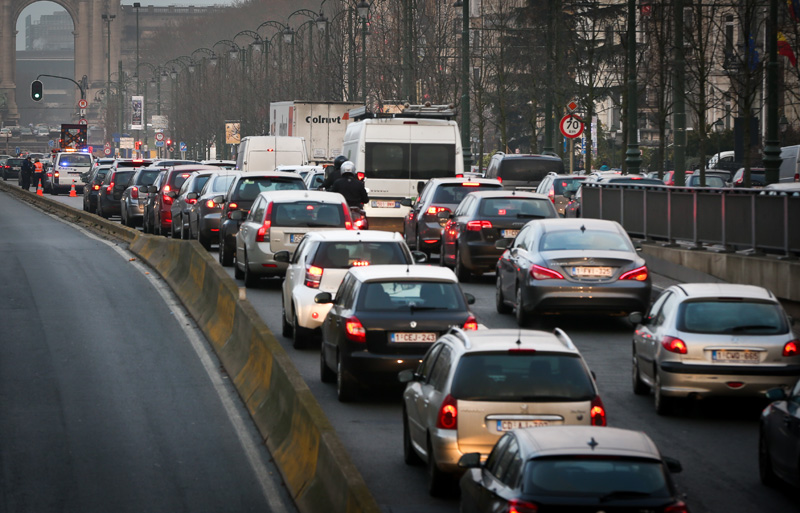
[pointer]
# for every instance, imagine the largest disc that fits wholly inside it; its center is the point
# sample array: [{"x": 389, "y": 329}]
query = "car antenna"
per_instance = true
[
  {"x": 592, "y": 443},
  {"x": 519, "y": 337},
  {"x": 583, "y": 228}
]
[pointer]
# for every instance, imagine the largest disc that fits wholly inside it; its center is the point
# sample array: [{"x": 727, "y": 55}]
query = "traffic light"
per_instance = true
[
  {"x": 36, "y": 90},
  {"x": 169, "y": 145}
]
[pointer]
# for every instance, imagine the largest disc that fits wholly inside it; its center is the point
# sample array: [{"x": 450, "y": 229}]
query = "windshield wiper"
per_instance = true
[
  {"x": 623, "y": 494},
  {"x": 752, "y": 327}
]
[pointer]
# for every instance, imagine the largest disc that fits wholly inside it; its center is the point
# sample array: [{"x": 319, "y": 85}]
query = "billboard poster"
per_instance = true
[
  {"x": 232, "y": 135},
  {"x": 137, "y": 112}
]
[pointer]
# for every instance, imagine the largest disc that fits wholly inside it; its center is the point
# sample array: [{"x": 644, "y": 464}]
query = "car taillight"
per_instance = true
[
  {"x": 543, "y": 273},
  {"x": 638, "y": 274},
  {"x": 433, "y": 210},
  {"x": 470, "y": 184},
  {"x": 598, "y": 412},
  {"x": 354, "y": 330},
  {"x": 191, "y": 201},
  {"x": 674, "y": 345},
  {"x": 166, "y": 199},
  {"x": 210, "y": 204},
  {"x": 476, "y": 226},
  {"x": 499, "y": 179},
  {"x": 313, "y": 276},
  {"x": 520, "y": 506},
  {"x": 790, "y": 349},
  {"x": 56, "y": 174},
  {"x": 232, "y": 208},
  {"x": 96, "y": 187},
  {"x": 678, "y": 507},
  {"x": 348, "y": 221},
  {"x": 262, "y": 235},
  {"x": 448, "y": 414},
  {"x": 110, "y": 188},
  {"x": 552, "y": 195},
  {"x": 134, "y": 193},
  {"x": 470, "y": 324}
]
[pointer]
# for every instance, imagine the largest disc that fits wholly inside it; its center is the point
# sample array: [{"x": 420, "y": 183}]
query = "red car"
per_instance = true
[
  {"x": 669, "y": 177},
  {"x": 167, "y": 190}
]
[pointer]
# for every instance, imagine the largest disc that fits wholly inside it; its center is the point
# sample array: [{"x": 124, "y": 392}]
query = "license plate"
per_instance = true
[
  {"x": 736, "y": 356},
  {"x": 296, "y": 237},
  {"x": 508, "y": 425},
  {"x": 384, "y": 204},
  {"x": 592, "y": 272},
  {"x": 412, "y": 337},
  {"x": 509, "y": 234}
]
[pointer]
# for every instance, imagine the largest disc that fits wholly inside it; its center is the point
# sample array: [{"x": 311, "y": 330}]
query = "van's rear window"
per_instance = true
[
  {"x": 409, "y": 161},
  {"x": 307, "y": 213},
  {"x": 528, "y": 170},
  {"x": 74, "y": 160}
]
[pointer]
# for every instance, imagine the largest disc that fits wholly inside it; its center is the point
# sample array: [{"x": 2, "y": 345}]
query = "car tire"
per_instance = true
[
  {"x": 299, "y": 334},
  {"x": 326, "y": 375},
  {"x": 410, "y": 456},
  {"x": 663, "y": 404},
  {"x": 438, "y": 481},
  {"x": 765, "y": 471},
  {"x": 225, "y": 256},
  {"x": 499, "y": 301},
  {"x": 462, "y": 272},
  {"x": 250, "y": 280},
  {"x": 184, "y": 230},
  {"x": 345, "y": 388},
  {"x": 286, "y": 327},
  {"x": 100, "y": 211},
  {"x": 520, "y": 313},
  {"x": 639, "y": 386}
]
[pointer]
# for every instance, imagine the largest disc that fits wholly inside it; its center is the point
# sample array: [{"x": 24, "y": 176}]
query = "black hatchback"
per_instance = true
[
  {"x": 110, "y": 192},
  {"x": 384, "y": 320}
]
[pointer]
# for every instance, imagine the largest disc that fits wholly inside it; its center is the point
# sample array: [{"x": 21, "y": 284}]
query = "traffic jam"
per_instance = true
[{"x": 509, "y": 418}]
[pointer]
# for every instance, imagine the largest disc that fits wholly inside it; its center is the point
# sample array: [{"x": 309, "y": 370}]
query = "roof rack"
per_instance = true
[
  {"x": 458, "y": 332},
  {"x": 564, "y": 338},
  {"x": 427, "y": 110}
]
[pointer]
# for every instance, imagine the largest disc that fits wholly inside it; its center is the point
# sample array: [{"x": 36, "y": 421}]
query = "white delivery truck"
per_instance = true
[
  {"x": 398, "y": 153},
  {"x": 267, "y": 152},
  {"x": 321, "y": 124}
]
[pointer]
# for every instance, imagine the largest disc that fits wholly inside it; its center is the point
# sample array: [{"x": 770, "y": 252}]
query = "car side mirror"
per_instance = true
[
  {"x": 323, "y": 298},
  {"x": 502, "y": 243},
  {"x": 152, "y": 189},
  {"x": 673, "y": 465},
  {"x": 407, "y": 376},
  {"x": 419, "y": 257},
  {"x": 444, "y": 214},
  {"x": 776, "y": 394},
  {"x": 470, "y": 298},
  {"x": 192, "y": 196},
  {"x": 172, "y": 194},
  {"x": 282, "y": 256},
  {"x": 420, "y": 186},
  {"x": 470, "y": 460},
  {"x": 636, "y": 317},
  {"x": 218, "y": 200},
  {"x": 406, "y": 202},
  {"x": 238, "y": 215}
]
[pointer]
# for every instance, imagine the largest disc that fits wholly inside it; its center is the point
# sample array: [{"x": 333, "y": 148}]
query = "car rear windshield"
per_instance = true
[
  {"x": 199, "y": 183},
  {"x": 523, "y": 208},
  {"x": 308, "y": 214},
  {"x": 220, "y": 183},
  {"x": 528, "y": 170},
  {"x": 123, "y": 177},
  {"x": 411, "y": 295},
  {"x": 343, "y": 255},
  {"x": 133, "y": 163},
  {"x": 711, "y": 181},
  {"x": 584, "y": 240},
  {"x": 516, "y": 376},
  {"x": 74, "y": 160},
  {"x": 147, "y": 177},
  {"x": 635, "y": 181},
  {"x": 409, "y": 161},
  {"x": 453, "y": 193},
  {"x": 14, "y": 162},
  {"x": 608, "y": 479},
  {"x": 562, "y": 185},
  {"x": 250, "y": 188},
  {"x": 175, "y": 180},
  {"x": 732, "y": 317}
]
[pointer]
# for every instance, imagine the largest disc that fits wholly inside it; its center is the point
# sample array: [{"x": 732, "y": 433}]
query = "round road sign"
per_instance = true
[
  {"x": 571, "y": 126},
  {"x": 159, "y": 136},
  {"x": 82, "y": 104},
  {"x": 83, "y": 121},
  {"x": 107, "y": 151}
]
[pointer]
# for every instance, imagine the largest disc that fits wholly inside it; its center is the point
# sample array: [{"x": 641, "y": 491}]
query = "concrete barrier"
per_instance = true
[{"x": 314, "y": 464}]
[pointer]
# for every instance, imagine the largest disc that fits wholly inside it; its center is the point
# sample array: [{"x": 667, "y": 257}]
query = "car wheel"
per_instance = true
[
  {"x": 101, "y": 212},
  {"x": 765, "y": 471},
  {"x": 345, "y": 388},
  {"x": 639, "y": 386},
  {"x": 204, "y": 240},
  {"x": 299, "y": 334},
  {"x": 326, "y": 375},
  {"x": 225, "y": 256},
  {"x": 250, "y": 279},
  {"x": 521, "y": 314},
  {"x": 410, "y": 456},
  {"x": 499, "y": 302},
  {"x": 663, "y": 404},
  {"x": 462, "y": 272},
  {"x": 286, "y": 327},
  {"x": 5, "y": 178},
  {"x": 438, "y": 481},
  {"x": 184, "y": 231}
]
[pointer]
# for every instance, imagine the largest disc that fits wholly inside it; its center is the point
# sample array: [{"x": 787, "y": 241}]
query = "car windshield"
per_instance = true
[
  {"x": 147, "y": 177},
  {"x": 250, "y": 188},
  {"x": 342, "y": 255},
  {"x": 562, "y": 185},
  {"x": 571, "y": 240},
  {"x": 516, "y": 207},
  {"x": 732, "y": 317},
  {"x": 453, "y": 193},
  {"x": 411, "y": 295},
  {"x": 308, "y": 214},
  {"x": 607, "y": 479},
  {"x": 74, "y": 160},
  {"x": 516, "y": 376}
]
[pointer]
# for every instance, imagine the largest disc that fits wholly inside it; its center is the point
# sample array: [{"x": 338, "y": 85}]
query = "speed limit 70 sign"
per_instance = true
[{"x": 571, "y": 126}]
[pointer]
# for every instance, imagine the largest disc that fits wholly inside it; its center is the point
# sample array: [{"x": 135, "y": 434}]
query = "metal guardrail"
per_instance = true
[{"x": 735, "y": 219}]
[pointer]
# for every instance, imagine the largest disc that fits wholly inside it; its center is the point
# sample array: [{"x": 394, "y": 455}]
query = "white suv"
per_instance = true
[{"x": 68, "y": 168}]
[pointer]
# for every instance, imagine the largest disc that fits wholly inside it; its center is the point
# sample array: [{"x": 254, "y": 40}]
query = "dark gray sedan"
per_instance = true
[{"x": 557, "y": 265}]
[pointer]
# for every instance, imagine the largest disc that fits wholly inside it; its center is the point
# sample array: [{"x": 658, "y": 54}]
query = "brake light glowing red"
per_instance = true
[
  {"x": 552, "y": 195},
  {"x": 231, "y": 208},
  {"x": 598, "y": 412},
  {"x": 674, "y": 345},
  {"x": 470, "y": 184},
  {"x": 313, "y": 276},
  {"x": 360, "y": 175},
  {"x": 678, "y": 507},
  {"x": 167, "y": 200},
  {"x": 476, "y": 226},
  {"x": 134, "y": 193},
  {"x": 790, "y": 349},
  {"x": 499, "y": 179},
  {"x": 191, "y": 201},
  {"x": 348, "y": 221},
  {"x": 96, "y": 187},
  {"x": 471, "y": 324},
  {"x": 433, "y": 210},
  {"x": 210, "y": 204},
  {"x": 167, "y": 188},
  {"x": 520, "y": 506},
  {"x": 360, "y": 263},
  {"x": 262, "y": 235},
  {"x": 110, "y": 188},
  {"x": 355, "y": 331},
  {"x": 543, "y": 273},
  {"x": 448, "y": 414},
  {"x": 638, "y": 274}
]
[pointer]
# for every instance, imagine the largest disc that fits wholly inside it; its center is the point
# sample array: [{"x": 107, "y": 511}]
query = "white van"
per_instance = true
[
  {"x": 267, "y": 152},
  {"x": 398, "y": 151},
  {"x": 790, "y": 164}
]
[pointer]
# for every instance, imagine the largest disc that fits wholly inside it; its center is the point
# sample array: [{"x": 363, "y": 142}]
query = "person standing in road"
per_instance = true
[
  {"x": 25, "y": 174},
  {"x": 38, "y": 174}
]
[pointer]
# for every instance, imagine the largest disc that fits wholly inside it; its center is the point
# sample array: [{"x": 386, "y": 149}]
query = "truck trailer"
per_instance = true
[{"x": 321, "y": 124}]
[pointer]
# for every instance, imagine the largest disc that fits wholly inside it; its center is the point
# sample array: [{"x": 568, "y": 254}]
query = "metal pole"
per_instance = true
[
  {"x": 364, "y": 60},
  {"x": 466, "y": 140},
  {"x": 120, "y": 122},
  {"x": 548, "y": 100},
  {"x": 293, "y": 76},
  {"x": 772, "y": 149},
  {"x": 633, "y": 158},
  {"x": 679, "y": 118}
]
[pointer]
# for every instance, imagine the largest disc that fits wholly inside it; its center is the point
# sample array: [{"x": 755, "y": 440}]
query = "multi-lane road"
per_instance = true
[{"x": 715, "y": 441}]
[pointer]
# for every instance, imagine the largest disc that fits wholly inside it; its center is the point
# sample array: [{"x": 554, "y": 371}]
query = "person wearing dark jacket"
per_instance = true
[
  {"x": 25, "y": 174},
  {"x": 350, "y": 187},
  {"x": 333, "y": 172}
]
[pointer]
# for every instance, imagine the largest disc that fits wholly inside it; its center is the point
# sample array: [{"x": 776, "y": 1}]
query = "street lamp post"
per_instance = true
[
  {"x": 137, "y": 5},
  {"x": 108, "y": 18},
  {"x": 465, "y": 107},
  {"x": 363, "y": 12},
  {"x": 633, "y": 158},
  {"x": 322, "y": 26}
]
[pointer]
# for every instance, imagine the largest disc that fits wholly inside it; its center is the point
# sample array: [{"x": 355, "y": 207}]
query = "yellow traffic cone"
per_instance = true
[
  {"x": 72, "y": 193},
  {"x": 39, "y": 191}
]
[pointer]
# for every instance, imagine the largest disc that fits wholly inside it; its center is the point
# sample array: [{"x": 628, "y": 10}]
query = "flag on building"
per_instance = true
[
  {"x": 794, "y": 9},
  {"x": 785, "y": 49}
]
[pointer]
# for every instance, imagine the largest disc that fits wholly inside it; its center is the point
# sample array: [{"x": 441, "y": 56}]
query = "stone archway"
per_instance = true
[{"x": 90, "y": 46}]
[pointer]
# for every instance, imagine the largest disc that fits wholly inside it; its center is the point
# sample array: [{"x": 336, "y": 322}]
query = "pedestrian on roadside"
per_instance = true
[
  {"x": 25, "y": 174},
  {"x": 38, "y": 174}
]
